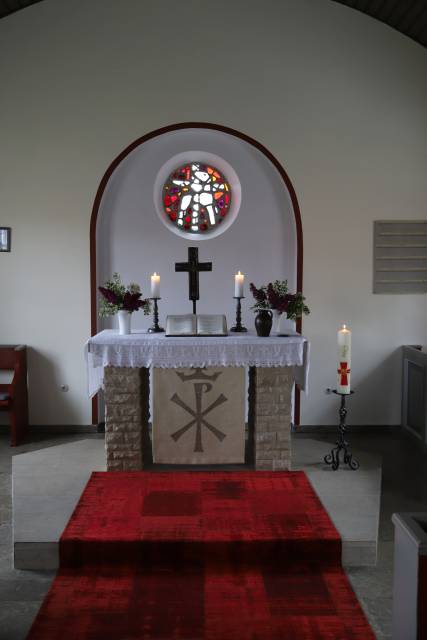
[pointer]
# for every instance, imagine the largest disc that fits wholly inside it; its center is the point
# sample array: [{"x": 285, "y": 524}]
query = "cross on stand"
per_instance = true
[{"x": 193, "y": 267}]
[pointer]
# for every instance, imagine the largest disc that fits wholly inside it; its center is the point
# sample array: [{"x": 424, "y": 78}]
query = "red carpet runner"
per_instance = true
[{"x": 200, "y": 556}]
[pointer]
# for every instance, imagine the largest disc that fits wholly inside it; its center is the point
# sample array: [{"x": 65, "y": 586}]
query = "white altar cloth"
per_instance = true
[{"x": 140, "y": 349}]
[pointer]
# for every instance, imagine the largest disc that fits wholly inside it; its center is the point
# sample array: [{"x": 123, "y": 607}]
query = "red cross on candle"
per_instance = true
[{"x": 343, "y": 371}]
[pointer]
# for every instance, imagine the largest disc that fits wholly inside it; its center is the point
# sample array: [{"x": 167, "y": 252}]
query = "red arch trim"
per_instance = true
[{"x": 154, "y": 134}]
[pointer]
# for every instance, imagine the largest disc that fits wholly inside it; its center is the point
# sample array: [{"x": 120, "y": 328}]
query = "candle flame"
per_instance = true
[{"x": 154, "y": 275}]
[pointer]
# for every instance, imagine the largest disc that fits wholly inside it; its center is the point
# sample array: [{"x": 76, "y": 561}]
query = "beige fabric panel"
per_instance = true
[{"x": 199, "y": 415}]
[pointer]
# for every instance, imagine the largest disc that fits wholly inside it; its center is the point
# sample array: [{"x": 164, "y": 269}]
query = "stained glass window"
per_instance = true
[{"x": 196, "y": 197}]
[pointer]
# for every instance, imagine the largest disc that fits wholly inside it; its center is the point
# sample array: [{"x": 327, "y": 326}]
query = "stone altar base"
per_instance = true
[
  {"x": 126, "y": 392},
  {"x": 127, "y": 417}
]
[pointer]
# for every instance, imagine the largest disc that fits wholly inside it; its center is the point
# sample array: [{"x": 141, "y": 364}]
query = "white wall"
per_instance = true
[
  {"x": 132, "y": 240},
  {"x": 339, "y": 98}
]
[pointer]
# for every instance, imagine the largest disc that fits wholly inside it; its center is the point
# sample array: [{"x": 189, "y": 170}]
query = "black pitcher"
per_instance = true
[{"x": 263, "y": 322}]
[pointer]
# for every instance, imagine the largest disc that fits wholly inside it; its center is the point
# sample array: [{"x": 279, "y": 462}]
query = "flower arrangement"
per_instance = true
[
  {"x": 275, "y": 295},
  {"x": 117, "y": 297}
]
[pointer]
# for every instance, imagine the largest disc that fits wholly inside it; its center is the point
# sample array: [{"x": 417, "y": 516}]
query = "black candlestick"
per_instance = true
[
  {"x": 333, "y": 458},
  {"x": 238, "y": 328},
  {"x": 155, "y": 327}
]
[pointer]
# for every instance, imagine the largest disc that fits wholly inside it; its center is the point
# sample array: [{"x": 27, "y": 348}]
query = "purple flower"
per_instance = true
[
  {"x": 278, "y": 302},
  {"x": 109, "y": 295},
  {"x": 132, "y": 302},
  {"x": 258, "y": 294}
]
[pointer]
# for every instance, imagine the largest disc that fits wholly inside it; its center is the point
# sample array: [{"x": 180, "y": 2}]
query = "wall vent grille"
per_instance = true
[{"x": 400, "y": 256}]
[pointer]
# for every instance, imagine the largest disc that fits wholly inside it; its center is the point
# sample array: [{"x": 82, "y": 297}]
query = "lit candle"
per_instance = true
[
  {"x": 344, "y": 360},
  {"x": 239, "y": 279},
  {"x": 155, "y": 286}
]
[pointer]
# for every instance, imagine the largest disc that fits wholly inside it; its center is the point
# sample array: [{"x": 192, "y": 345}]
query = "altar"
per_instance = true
[{"x": 125, "y": 366}]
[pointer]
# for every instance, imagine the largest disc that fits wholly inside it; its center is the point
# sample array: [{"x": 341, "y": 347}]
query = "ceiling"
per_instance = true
[
  {"x": 407, "y": 16},
  {"x": 10, "y": 6}
]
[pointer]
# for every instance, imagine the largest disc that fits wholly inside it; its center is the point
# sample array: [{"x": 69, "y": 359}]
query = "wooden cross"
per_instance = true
[{"x": 193, "y": 266}]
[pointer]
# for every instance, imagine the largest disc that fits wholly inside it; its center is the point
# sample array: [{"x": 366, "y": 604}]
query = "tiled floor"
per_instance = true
[
  {"x": 21, "y": 592},
  {"x": 356, "y": 519},
  {"x": 46, "y": 486},
  {"x": 404, "y": 488}
]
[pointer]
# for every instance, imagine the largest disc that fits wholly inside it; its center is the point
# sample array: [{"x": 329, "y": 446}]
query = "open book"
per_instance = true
[{"x": 196, "y": 325}]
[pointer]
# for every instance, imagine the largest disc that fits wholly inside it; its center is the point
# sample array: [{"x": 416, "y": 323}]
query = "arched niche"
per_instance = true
[{"x": 127, "y": 235}]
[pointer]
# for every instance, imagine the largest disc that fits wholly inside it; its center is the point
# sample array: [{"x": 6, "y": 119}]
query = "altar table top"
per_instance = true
[{"x": 140, "y": 349}]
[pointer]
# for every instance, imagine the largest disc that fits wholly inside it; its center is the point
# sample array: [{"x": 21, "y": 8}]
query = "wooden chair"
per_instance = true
[{"x": 14, "y": 396}]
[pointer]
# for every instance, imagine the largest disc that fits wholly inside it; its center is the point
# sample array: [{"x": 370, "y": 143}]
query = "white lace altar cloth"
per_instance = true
[{"x": 140, "y": 349}]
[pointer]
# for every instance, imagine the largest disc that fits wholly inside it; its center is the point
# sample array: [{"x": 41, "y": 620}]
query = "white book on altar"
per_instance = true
[{"x": 196, "y": 325}]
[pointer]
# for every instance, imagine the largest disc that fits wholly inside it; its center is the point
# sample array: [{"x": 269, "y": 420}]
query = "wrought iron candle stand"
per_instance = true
[
  {"x": 333, "y": 458},
  {"x": 238, "y": 327},
  {"x": 155, "y": 328}
]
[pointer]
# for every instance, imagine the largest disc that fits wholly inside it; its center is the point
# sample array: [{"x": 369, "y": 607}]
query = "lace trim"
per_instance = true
[{"x": 142, "y": 350}]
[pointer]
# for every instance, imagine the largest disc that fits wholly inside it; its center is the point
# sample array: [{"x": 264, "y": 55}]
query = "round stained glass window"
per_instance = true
[{"x": 196, "y": 198}]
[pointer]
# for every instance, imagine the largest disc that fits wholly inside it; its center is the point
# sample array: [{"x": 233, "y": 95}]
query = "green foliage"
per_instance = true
[
  {"x": 280, "y": 287},
  {"x": 297, "y": 307}
]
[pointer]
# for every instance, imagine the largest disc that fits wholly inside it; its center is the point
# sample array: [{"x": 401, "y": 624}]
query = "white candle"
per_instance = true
[
  {"x": 155, "y": 286},
  {"x": 344, "y": 359},
  {"x": 239, "y": 279}
]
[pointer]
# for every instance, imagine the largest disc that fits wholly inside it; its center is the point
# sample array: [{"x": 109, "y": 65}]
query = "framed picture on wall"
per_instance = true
[{"x": 5, "y": 233}]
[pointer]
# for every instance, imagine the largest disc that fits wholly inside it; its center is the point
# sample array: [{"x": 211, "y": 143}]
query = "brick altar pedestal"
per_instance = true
[
  {"x": 270, "y": 409},
  {"x": 127, "y": 416}
]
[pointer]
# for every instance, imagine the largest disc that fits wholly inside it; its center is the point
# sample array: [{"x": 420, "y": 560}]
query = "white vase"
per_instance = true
[
  {"x": 281, "y": 325},
  {"x": 124, "y": 322},
  {"x": 277, "y": 322}
]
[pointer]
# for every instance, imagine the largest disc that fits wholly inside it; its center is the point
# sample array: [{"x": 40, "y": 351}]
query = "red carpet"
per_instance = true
[{"x": 189, "y": 556}]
